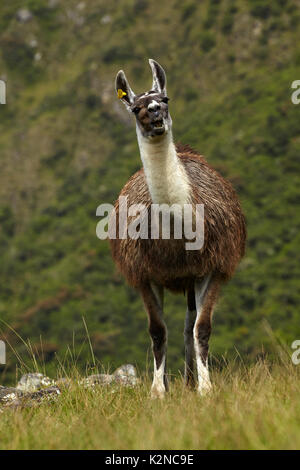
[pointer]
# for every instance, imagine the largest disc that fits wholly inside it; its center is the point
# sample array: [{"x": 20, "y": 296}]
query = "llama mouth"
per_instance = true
[{"x": 158, "y": 127}]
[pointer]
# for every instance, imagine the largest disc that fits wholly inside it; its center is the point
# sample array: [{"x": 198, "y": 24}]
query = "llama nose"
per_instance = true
[{"x": 154, "y": 107}]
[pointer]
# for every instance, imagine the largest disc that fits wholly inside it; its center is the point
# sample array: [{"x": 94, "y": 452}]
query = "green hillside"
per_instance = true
[{"x": 67, "y": 145}]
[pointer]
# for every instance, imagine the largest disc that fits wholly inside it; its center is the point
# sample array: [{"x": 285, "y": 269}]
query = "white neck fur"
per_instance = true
[{"x": 165, "y": 175}]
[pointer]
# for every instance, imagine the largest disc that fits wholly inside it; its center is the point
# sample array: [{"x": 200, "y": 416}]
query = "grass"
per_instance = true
[{"x": 251, "y": 407}]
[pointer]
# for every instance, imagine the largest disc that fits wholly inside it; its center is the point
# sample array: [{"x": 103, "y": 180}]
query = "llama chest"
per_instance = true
[
  {"x": 142, "y": 257},
  {"x": 159, "y": 260}
]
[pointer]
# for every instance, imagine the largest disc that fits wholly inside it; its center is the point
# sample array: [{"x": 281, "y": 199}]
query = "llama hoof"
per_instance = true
[
  {"x": 204, "y": 389},
  {"x": 157, "y": 393}
]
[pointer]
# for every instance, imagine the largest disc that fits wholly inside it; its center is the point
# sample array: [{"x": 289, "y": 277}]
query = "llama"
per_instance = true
[{"x": 176, "y": 174}]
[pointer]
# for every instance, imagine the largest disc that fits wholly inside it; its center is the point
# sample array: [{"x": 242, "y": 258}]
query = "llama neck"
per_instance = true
[{"x": 165, "y": 175}]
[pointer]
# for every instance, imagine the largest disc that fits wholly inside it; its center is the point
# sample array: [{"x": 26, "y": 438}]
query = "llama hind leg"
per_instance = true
[
  {"x": 205, "y": 295},
  {"x": 153, "y": 300},
  {"x": 190, "y": 318}
]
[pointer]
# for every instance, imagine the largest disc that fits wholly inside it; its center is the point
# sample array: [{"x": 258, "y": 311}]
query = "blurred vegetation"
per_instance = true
[{"x": 67, "y": 145}]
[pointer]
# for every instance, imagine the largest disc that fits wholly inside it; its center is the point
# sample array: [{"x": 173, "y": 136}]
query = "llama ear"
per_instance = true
[
  {"x": 123, "y": 89},
  {"x": 159, "y": 77}
]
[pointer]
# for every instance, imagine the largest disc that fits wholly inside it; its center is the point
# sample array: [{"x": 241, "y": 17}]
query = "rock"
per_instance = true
[
  {"x": 34, "y": 381},
  {"x": 97, "y": 379},
  {"x": 127, "y": 370},
  {"x": 24, "y": 15},
  {"x": 9, "y": 394},
  {"x": 33, "y": 43},
  {"x": 106, "y": 19},
  {"x": 37, "y": 56},
  {"x": 126, "y": 375},
  {"x": 35, "y": 388},
  {"x": 48, "y": 393},
  {"x": 13, "y": 398},
  {"x": 31, "y": 390}
]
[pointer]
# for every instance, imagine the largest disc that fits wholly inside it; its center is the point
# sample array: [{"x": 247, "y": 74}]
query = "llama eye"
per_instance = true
[
  {"x": 165, "y": 100},
  {"x": 136, "y": 109}
]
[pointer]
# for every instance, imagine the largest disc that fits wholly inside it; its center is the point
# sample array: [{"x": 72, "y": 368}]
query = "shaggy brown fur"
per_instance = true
[
  {"x": 167, "y": 262},
  {"x": 150, "y": 265}
]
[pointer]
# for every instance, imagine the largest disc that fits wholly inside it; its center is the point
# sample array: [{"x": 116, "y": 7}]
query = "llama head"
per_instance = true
[{"x": 150, "y": 108}]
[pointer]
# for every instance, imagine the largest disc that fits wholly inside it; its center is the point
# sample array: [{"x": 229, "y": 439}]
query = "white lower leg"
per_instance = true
[
  {"x": 204, "y": 384},
  {"x": 158, "y": 388}
]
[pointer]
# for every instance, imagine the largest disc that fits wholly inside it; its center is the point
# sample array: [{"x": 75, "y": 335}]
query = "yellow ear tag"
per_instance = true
[{"x": 121, "y": 93}]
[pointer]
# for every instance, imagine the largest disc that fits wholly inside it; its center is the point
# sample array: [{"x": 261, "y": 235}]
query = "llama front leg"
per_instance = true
[
  {"x": 153, "y": 300},
  {"x": 205, "y": 294}
]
